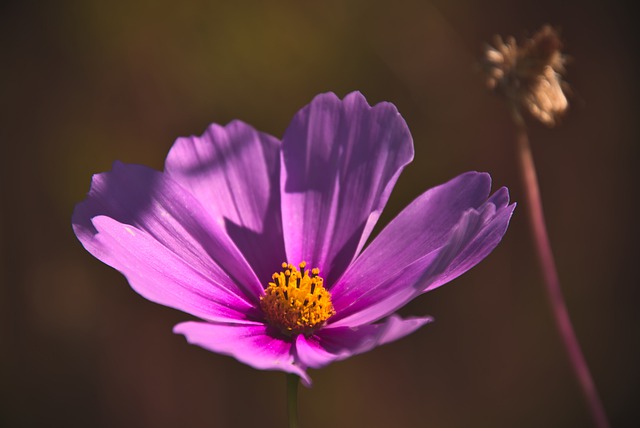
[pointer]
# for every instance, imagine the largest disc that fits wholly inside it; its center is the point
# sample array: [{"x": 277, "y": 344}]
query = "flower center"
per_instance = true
[{"x": 296, "y": 302}]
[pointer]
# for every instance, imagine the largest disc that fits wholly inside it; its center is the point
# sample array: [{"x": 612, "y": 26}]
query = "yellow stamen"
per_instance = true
[{"x": 296, "y": 301}]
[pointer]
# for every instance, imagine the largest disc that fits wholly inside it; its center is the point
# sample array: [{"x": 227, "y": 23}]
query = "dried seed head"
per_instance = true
[{"x": 529, "y": 75}]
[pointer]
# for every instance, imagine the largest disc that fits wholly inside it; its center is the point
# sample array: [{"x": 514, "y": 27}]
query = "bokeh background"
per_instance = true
[{"x": 84, "y": 83}]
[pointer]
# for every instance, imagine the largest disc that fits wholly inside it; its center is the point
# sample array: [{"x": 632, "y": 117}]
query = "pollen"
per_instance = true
[{"x": 296, "y": 301}]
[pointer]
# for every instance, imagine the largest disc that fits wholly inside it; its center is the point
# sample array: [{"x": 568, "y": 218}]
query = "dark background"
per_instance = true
[{"x": 84, "y": 83}]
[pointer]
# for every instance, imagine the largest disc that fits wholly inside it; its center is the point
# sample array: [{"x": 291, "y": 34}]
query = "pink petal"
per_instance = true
[
  {"x": 160, "y": 275},
  {"x": 250, "y": 344},
  {"x": 338, "y": 343},
  {"x": 147, "y": 220},
  {"x": 234, "y": 171},
  {"x": 439, "y": 236},
  {"x": 341, "y": 159}
]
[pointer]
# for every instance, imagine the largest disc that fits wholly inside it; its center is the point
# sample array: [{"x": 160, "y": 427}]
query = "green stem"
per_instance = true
[{"x": 292, "y": 400}]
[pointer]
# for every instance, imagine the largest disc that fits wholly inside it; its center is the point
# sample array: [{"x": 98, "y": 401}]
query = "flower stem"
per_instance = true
[
  {"x": 547, "y": 264},
  {"x": 292, "y": 400}
]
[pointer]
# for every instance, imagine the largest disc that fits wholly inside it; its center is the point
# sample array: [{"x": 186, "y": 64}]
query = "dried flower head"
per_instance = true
[{"x": 529, "y": 75}]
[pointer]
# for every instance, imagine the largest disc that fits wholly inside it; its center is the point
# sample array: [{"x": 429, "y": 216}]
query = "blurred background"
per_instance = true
[{"x": 84, "y": 83}]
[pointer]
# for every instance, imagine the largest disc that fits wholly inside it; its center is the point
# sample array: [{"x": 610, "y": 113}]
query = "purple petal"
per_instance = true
[
  {"x": 439, "y": 236},
  {"x": 249, "y": 344},
  {"x": 341, "y": 160},
  {"x": 163, "y": 277},
  {"x": 234, "y": 171},
  {"x": 339, "y": 343},
  {"x": 421, "y": 228},
  {"x": 168, "y": 225},
  {"x": 475, "y": 236}
]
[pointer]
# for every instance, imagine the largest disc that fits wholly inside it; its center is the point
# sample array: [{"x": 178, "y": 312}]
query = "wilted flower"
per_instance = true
[
  {"x": 206, "y": 235},
  {"x": 529, "y": 75}
]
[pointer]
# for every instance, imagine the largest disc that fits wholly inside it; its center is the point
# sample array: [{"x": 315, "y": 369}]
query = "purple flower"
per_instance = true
[{"x": 209, "y": 235}]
